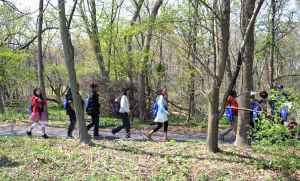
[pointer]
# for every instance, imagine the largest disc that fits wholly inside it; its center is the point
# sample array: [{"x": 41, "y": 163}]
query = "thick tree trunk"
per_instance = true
[
  {"x": 224, "y": 26},
  {"x": 142, "y": 76},
  {"x": 248, "y": 57},
  {"x": 213, "y": 124},
  {"x": 40, "y": 53},
  {"x": 69, "y": 61}
]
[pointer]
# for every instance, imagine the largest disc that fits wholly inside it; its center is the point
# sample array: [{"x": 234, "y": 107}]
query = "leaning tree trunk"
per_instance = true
[
  {"x": 143, "y": 74},
  {"x": 213, "y": 117},
  {"x": 93, "y": 32},
  {"x": 69, "y": 61},
  {"x": 248, "y": 57},
  {"x": 96, "y": 42},
  {"x": 129, "y": 50},
  {"x": 40, "y": 53}
]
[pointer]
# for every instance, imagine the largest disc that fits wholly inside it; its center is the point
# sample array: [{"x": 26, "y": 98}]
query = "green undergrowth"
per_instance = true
[{"x": 23, "y": 158}]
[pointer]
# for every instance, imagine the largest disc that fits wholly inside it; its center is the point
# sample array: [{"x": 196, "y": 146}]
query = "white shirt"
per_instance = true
[{"x": 124, "y": 105}]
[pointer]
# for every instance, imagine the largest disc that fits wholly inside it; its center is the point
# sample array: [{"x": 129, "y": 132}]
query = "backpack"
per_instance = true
[
  {"x": 30, "y": 108},
  {"x": 229, "y": 113},
  {"x": 66, "y": 104},
  {"x": 116, "y": 107},
  {"x": 255, "y": 110},
  {"x": 283, "y": 112},
  {"x": 154, "y": 109},
  {"x": 89, "y": 105}
]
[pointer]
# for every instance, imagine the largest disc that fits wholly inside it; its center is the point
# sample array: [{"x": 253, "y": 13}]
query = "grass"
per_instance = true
[{"x": 23, "y": 158}]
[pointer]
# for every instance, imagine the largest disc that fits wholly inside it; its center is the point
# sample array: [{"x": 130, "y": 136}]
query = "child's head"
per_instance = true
[
  {"x": 37, "y": 92},
  {"x": 125, "y": 91},
  {"x": 263, "y": 94},
  {"x": 163, "y": 91},
  {"x": 233, "y": 93},
  {"x": 94, "y": 87}
]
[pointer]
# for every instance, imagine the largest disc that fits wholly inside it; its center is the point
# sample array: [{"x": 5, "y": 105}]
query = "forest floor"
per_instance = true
[{"x": 185, "y": 157}]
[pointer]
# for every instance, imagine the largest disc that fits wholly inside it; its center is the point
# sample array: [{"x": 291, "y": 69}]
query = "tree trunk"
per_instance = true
[
  {"x": 224, "y": 26},
  {"x": 2, "y": 110},
  {"x": 93, "y": 32},
  {"x": 142, "y": 76},
  {"x": 129, "y": 50},
  {"x": 248, "y": 57},
  {"x": 213, "y": 124},
  {"x": 273, "y": 43},
  {"x": 193, "y": 26},
  {"x": 96, "y": 42},
  {"x": 69, "y": 61},
  {"x": 40, "y": 53}
]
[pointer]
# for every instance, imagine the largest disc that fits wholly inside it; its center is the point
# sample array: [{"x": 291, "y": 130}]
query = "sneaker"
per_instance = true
[
  {"x": 97, "y": 136},
  {"x": 28, "y": 133},
  {"x": 69, "y": 137},
  {"x": 149, "y": 136},
  {"x": 45, "y": 136}
]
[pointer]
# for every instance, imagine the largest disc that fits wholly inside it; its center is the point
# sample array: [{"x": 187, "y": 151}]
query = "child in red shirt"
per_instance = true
[
  {"x": 233, "y": 104},
  {"x": 38, "y": 112}
]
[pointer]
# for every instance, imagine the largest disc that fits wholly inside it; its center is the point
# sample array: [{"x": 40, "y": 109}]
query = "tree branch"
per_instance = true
[
  {"x": 72, "y": 13},
  {"x": 240, "y": 54},
  {"x": 35, "y": 37}
]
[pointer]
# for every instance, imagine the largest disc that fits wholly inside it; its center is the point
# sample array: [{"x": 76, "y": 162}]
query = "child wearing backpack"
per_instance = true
[
  {"x": 232, "y": 106},
  {"x": 69, "y": 107},
  {"x": 161, "y": 115},
  {"x": 93, "y": 109},
  {"x": 38, "y": 112},
  {"x": 124, "y": 112},
  {"x": 255, "y": 110}
]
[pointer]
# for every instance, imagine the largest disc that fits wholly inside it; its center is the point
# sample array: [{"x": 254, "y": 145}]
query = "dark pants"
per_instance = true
[
  {"x": 160, "y": 125},
  {"x": 125, "y": 125},
  {"x": 95, "y": 123},
  {"x": 72, "y": 116}
]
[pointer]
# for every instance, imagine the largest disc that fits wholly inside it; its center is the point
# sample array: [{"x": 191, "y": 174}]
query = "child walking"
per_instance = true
[
  {"x": 38, "y": 112},
  {"x": 71, "y": 113},
  {"x": 231, "y": 104},
  {"x": 124, "y": 113},
  {"x": 161, "y": 116},
  {"x": 93, "y": 109}
]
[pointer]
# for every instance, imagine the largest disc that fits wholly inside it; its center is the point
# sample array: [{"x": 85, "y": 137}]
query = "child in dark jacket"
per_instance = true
[
  {"x": 93, "y": 109},
  {"x": 71, "y": 113}
]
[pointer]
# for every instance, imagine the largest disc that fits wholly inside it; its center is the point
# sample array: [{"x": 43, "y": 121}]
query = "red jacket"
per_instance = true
[
  {"x": 38, "y": 104},
  {"x": 231, "y": 101}
]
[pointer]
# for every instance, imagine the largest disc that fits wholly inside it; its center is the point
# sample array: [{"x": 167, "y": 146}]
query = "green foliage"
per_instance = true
[
  {"x": 268, "y": 133},
  {"x": 12, "y": 65}
]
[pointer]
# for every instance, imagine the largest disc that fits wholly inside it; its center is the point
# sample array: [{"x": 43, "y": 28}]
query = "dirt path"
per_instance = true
[{"x": 20, "y": 130}]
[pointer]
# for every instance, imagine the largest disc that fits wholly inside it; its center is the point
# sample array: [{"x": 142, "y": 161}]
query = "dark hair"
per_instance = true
[
  {"x": 263, "y": 94},
  {"x": 35, "y": 93},
  {"x": 233, "y": 93},
  {"x": 125, "y": 90},
  {"x": 93, "y": 86}
]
